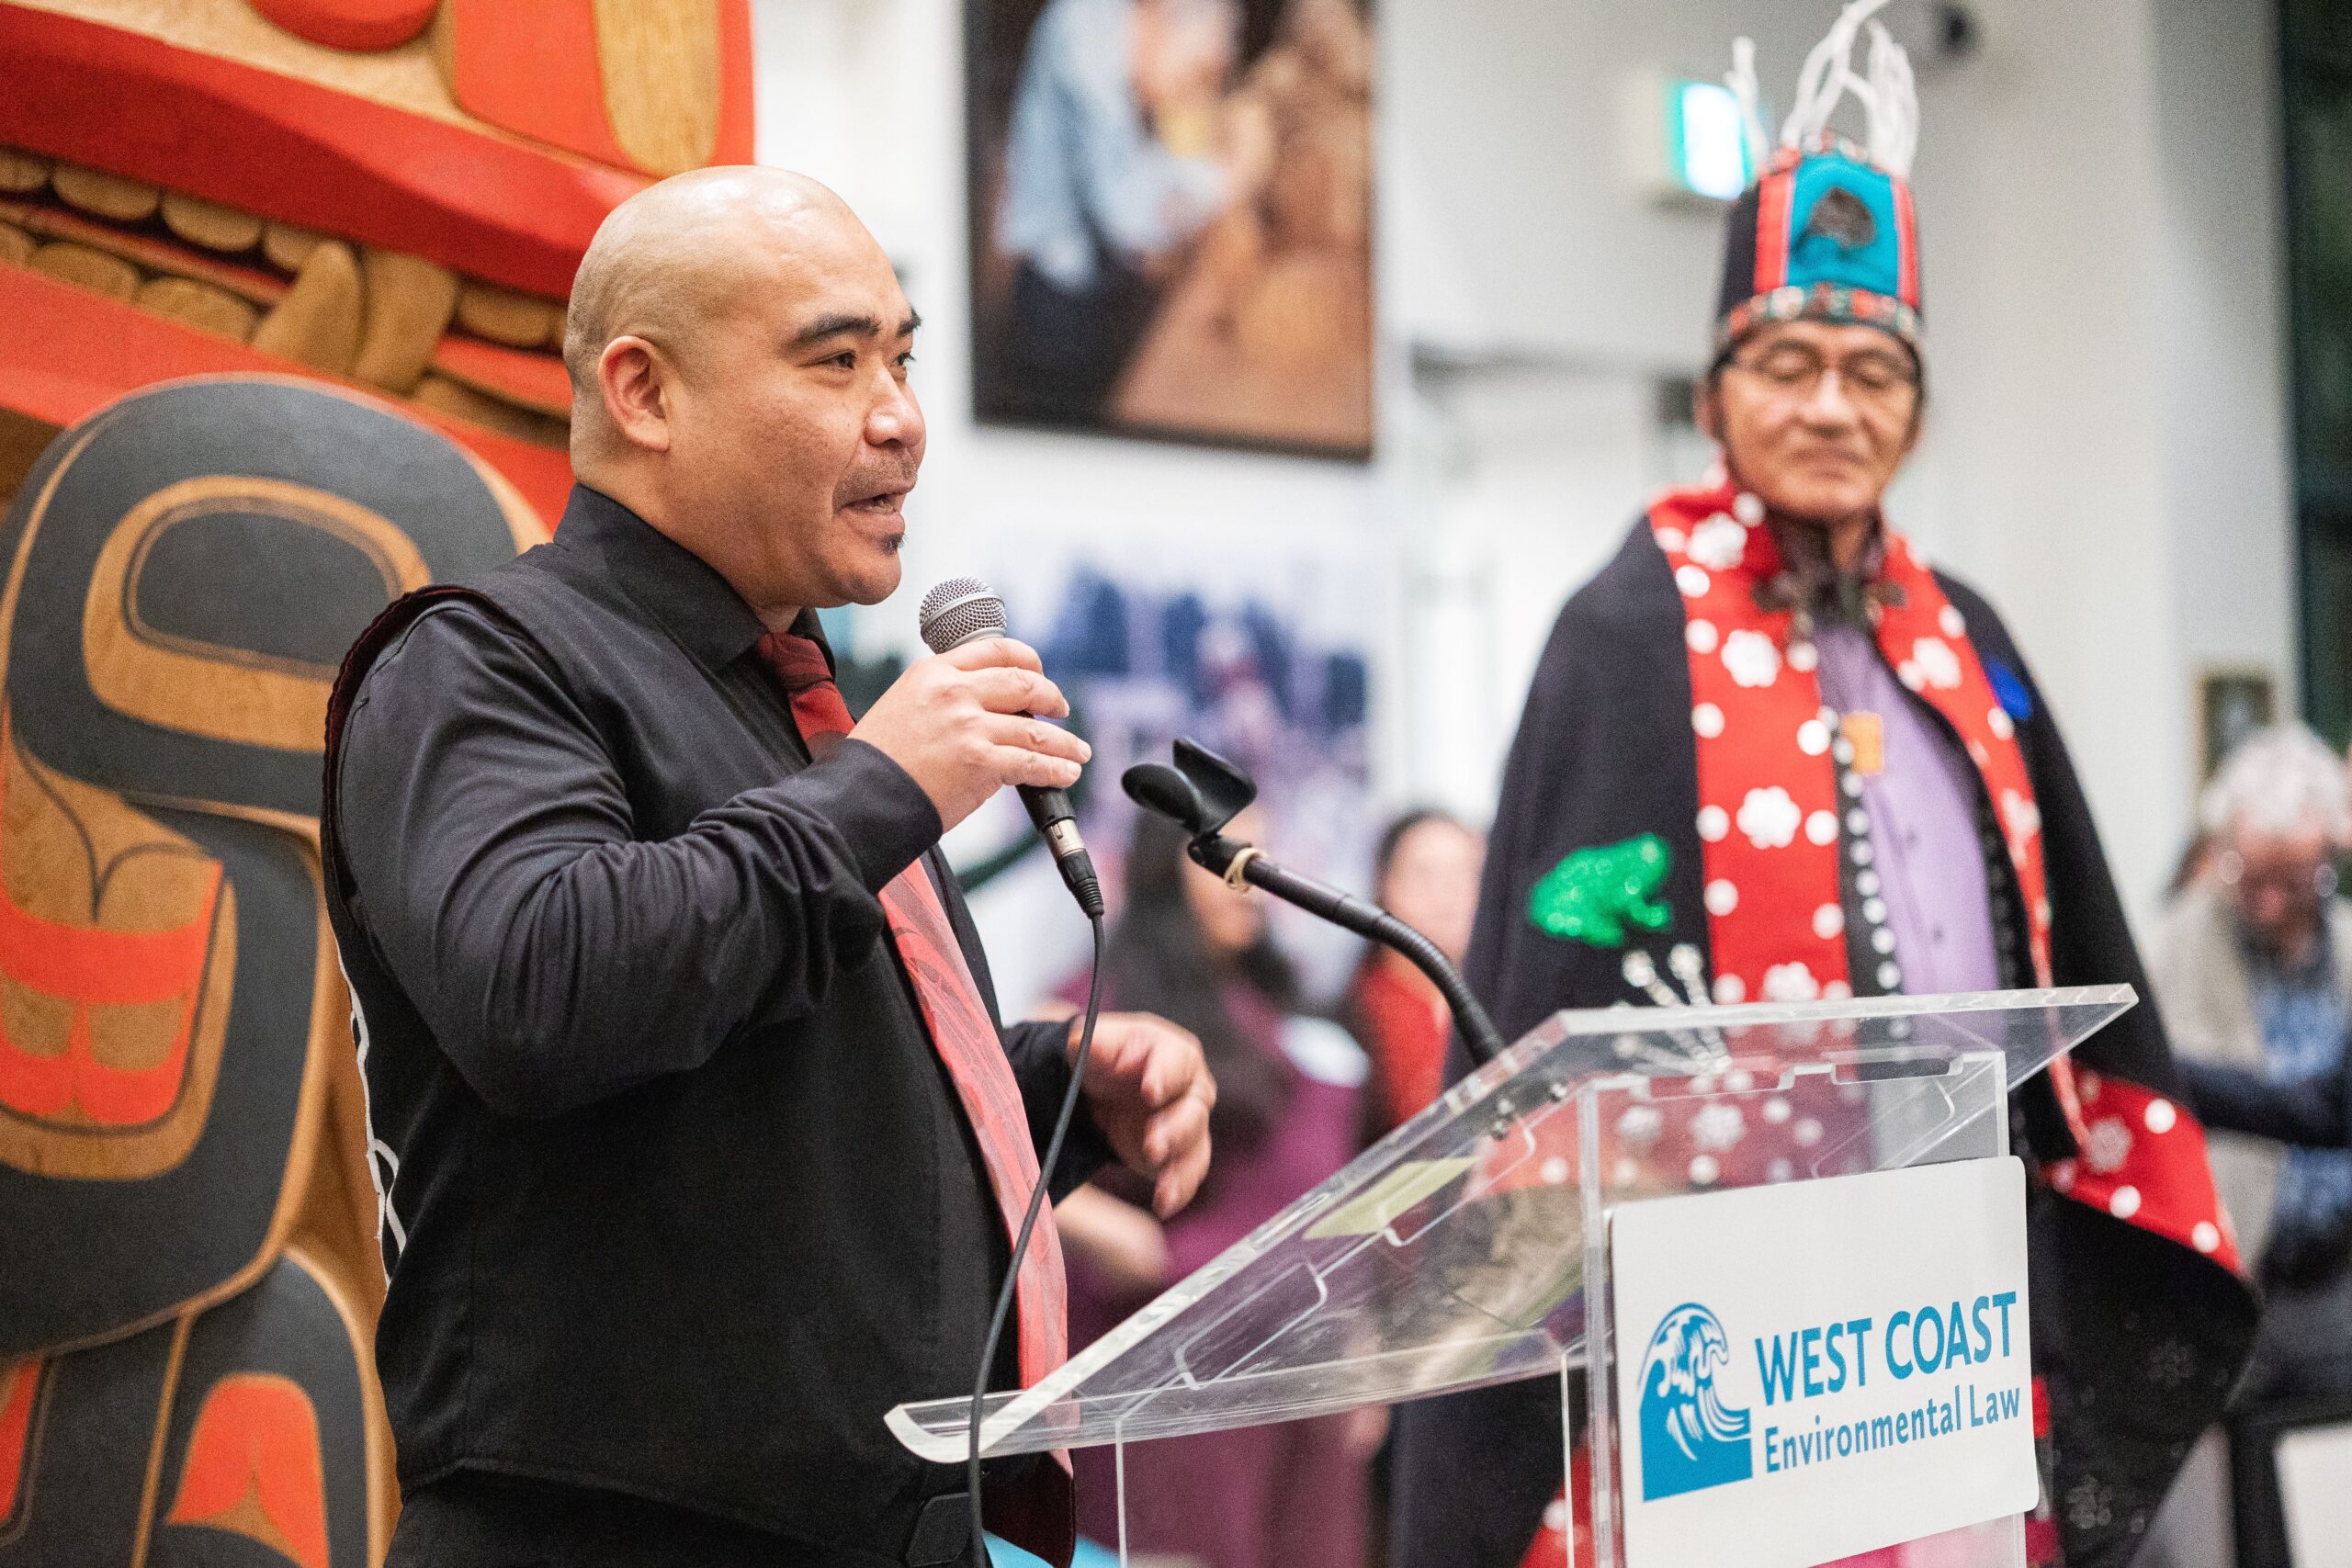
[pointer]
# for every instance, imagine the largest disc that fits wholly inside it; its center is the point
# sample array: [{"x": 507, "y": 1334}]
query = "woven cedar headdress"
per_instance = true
[{"x": 1827, "y": 231}]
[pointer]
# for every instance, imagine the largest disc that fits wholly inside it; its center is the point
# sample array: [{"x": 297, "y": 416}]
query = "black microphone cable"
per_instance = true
[{"x": 1052, "y": 1155}]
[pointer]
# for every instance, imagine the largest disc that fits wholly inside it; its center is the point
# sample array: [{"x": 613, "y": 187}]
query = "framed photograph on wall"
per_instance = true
[
  {"x": 2230, "y": 706},
  {"x": 1171, "y": 208}
]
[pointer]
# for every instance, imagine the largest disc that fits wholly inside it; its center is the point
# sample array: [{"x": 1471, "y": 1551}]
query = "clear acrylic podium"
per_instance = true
[{"x": 1461, "y": 1250}]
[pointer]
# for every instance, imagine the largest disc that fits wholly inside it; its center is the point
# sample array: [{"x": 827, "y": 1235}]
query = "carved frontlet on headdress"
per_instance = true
[{"x": 1827, "y": 231}]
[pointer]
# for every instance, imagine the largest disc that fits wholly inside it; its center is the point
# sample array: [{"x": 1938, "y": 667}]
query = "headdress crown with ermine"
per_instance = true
[{"x": 1827, "y": 231}]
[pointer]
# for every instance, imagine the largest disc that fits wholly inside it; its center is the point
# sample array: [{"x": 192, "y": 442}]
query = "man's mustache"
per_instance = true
[{"x": 867, "y": 486}]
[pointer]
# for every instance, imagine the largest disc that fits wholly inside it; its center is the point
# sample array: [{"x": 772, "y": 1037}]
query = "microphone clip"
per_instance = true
[
  {"x": 1204, "y": 792},
  {"x": 1201, "y": 794}
]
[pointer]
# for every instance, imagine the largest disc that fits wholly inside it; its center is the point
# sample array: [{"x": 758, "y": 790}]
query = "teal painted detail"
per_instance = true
[
  {"x": 1858, "y": 241},
  {"x": 1595, "y": 893}
]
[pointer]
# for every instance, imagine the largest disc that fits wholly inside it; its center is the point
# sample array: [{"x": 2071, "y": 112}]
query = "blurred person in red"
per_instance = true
[
  {"x": 1289, "y": 1113},
  {"x": 1425, "y": 873}
]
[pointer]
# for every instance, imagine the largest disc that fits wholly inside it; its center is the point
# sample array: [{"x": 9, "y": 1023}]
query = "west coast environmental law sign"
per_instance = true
[{"x": 1811, "y": 1370}]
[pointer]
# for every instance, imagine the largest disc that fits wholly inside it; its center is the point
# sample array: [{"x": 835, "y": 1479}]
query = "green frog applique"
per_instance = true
[{"x": 1595, "y": 893}]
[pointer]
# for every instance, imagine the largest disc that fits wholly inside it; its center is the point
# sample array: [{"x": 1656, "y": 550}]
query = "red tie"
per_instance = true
[{"x": 966, "y": 1040}]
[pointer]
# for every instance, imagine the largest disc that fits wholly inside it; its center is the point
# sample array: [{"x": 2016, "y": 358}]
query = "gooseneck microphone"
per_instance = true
[
  {"x": 965, "y": 609},
  {"x": 1204, "y": 792}
]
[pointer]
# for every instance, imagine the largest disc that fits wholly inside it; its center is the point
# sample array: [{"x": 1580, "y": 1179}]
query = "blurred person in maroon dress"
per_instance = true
[
  {"x": 1426, "y": 873},
  {"x": 1289, "y": 1113}
]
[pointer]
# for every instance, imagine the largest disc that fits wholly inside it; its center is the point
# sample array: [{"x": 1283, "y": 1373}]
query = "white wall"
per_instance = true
[
  {"x": 2106, "y": 449},
  {"x": 2224, "y": 296}
]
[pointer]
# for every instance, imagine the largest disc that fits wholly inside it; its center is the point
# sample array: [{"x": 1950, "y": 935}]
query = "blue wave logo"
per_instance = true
[{"x": 1691, "y": 1439}]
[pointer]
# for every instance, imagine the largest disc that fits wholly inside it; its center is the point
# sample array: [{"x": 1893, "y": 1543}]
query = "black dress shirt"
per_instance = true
[{"x": 681, "y": 1199}]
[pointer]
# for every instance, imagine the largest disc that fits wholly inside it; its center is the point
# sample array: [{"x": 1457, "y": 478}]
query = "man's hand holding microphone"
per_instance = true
[
  {"x": 971, "y": 719},
  {"x": 965, "y": 723}
]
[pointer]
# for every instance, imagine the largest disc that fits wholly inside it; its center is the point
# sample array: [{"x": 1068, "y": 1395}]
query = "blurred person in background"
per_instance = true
[
  {"x": 2254, "y": 969},
  {"x": 1289, "y": 1113},
  {"x": 1425, "y": 873},
  {"x": 1770, "y": 752},
  {"x": 1117, "y": 158}
]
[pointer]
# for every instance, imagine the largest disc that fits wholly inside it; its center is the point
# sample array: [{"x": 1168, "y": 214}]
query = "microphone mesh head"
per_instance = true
[{"x": 958, "y": 611}]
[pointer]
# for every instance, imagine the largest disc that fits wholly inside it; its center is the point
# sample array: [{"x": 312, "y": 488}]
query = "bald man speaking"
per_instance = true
[{"x": 697, "y": 1127}]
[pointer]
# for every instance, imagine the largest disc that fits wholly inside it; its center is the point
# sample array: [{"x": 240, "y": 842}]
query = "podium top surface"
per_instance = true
[{"x": 1452, "y": 1254}]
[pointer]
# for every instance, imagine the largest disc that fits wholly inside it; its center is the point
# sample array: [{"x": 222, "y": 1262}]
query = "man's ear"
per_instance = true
[
  {"x": 635, "y": 378},
  {"x": 1918, "y": 427}
]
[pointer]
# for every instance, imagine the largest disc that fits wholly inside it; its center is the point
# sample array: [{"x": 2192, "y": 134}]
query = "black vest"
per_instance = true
[{"x": 706, "y": 1290}]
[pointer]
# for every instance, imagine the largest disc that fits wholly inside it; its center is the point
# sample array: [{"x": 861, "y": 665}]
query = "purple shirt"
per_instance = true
[{"x": 1922, "y": 806}]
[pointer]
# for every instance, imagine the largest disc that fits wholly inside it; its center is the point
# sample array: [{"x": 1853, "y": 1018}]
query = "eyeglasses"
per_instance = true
[
  {"x": 1794, "y": 371},
  {"x": 2291, "y": 878}
]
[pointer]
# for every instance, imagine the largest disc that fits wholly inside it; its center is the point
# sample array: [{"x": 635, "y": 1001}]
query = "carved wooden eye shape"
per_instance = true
[
  {"x": 363, "y": 25},
  {"x": 655, "y": 86}
]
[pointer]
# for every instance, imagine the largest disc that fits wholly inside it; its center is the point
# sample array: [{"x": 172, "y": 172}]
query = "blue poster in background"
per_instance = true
[{"x": 1247, "y": 662}]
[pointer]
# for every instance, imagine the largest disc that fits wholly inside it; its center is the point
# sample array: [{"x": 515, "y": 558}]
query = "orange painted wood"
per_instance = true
[
  {"x": 479, "y": 204},
  {"x": 529, "y": 66},
  {"x": 92, "y": 966},
  {"x": 262, "y": 287},
  {"x": 535, "y": 381},
  {"x": 365, "y": 25},
  {"x": 734, "y": 143},
  {"x": 255, "y": 1467},
  {"x": 69, "y": 353},
  {"x": 16, "y": 1385}
]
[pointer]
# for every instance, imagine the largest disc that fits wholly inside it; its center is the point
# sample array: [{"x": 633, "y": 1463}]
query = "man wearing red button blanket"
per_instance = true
[{"x": 1770, "y": 750}]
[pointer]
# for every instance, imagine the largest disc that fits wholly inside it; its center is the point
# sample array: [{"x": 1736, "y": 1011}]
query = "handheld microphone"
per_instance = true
[{"x": 965, "y": 609}]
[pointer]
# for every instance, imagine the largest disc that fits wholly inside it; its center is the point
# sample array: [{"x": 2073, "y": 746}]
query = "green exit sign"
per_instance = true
[{"x": 1706, "y": 152}]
